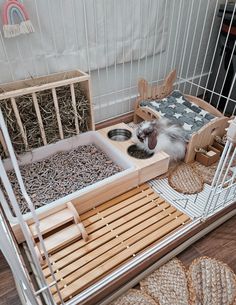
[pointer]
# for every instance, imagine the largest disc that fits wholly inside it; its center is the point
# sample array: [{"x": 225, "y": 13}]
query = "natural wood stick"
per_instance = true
[
  {"x": 39, "y": 117},
  {"x": 19, "y": 122},
  {"x": 73, "y": 100},
  {"x": 4, "y": 145},
  {"x": 55, "y": 101}
]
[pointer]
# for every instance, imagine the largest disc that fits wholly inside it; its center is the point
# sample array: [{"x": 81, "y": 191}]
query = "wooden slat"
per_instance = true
[
  {"x": 92, "y": 236},
  {"x": 19, "y": 122},
  {"x": 39, "y": 117},
  {"x": 143, "y": 222},
  {"x": 109, "y": 264},
  {"x": 82, "y": 251},
  {"x": 128, "y": 223},
  {"x": 3, "y": 143},
  {"x": 40, "y": 84},
  {"x": 105, "y": 236},
  {"x": 55, "y": 101},
  {"x": 116, "y": 207},
  {"x": 118, "y": 229},
  {"x": 114, "y": 201},
  {"x": 140, "y": 212},
  {"x": 94, "y": 226},
  {"x": 61, "y": 238},
  {"x": 126, "y": 239},
  {"x": 52, "y": 222},
  {"x": 73, "y": 100},
  {"x": 75, "y": 246},
  {"x": 132, "y": 207}
]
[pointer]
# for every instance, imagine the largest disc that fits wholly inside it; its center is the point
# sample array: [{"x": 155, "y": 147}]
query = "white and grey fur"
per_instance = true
[{"x": 162, "y": 135}]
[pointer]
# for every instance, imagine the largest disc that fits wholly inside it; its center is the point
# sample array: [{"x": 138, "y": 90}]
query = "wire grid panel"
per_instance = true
[
  {"x": 217, "y": 84},
  {"x": 11, "y": 253},
  {"x": 117, "y": 42},
  {"x": 224, "y": 180},
  {"x": 23, "y": 225},
  {"x": 193, "y": 205}
]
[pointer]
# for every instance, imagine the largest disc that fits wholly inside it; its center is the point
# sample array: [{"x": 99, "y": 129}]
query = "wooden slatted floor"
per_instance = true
[{"x": 118, "y": 230}]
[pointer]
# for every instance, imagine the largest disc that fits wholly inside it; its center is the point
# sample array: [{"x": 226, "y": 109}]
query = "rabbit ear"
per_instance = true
[{"x": 152, "y": 139}]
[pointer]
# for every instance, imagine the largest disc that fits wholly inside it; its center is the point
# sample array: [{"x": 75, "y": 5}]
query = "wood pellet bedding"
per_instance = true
[{"x": 63, "y": 173}]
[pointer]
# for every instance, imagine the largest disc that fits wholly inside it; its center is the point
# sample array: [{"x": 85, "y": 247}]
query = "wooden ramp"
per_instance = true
[
  {"x": 58, "y": 230},
  {"x": 118, "y": 230}
]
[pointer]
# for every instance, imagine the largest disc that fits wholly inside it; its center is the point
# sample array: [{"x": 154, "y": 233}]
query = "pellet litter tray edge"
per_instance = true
[{"x": 89, "y": 196}]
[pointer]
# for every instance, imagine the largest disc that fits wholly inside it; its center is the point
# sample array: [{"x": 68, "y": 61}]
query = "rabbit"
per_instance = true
[{"x": 162, "y": 135}]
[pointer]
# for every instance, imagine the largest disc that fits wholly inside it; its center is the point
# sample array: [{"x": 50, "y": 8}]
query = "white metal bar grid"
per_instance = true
[
  {"x": 23, "y": 225},
  {"x": 223, "y": 51},
  {"x": 192, "y": 205},
  {"x": 200, "y": 43},
  {"x": 192, "y": 82},
  {"x": 210, "y": 199},
  {"x": 9, "y": 250},
  {"x": 177, "y": 19}
]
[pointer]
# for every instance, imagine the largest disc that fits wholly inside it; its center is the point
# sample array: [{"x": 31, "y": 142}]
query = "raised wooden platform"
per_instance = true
[{"x": 118, "y": 230}]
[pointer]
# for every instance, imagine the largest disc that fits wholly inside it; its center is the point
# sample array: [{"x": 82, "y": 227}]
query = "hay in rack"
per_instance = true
[{"x": 30, "y": 122}]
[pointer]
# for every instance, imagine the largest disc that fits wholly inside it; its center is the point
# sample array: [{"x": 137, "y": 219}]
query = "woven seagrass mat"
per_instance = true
[
  {"x": 134, "y": 297},
  {"x": 207, "y": 172},
  {"x": 211, "y": 282},
  {"x": 185, "y": 180},
  {"x": 168, "y": 284},
  {"x": 207, "y": 282},
  {"x": 190, "y": 178}
]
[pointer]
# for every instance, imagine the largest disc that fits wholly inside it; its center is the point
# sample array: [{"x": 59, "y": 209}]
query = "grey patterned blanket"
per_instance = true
[{"x": 180, "y": 111}]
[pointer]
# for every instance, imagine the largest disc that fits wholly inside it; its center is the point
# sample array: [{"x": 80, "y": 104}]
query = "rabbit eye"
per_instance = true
[
  {"x": 140, "y": 138},
  {"x": 148, "y": 131}
]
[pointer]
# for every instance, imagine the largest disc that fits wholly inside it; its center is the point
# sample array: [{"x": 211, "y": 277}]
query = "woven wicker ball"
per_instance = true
[
  {"x": 211, "y": 282},
  {"x": 168, "y": 285},
  {"x": 134, "y": 297}
]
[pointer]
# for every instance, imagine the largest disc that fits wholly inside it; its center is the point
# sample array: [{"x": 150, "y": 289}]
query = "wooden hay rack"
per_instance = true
[{"x": 46, "y": 109}]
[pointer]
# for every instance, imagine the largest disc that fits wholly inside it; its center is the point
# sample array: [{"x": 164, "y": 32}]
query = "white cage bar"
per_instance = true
[{"x": 118, "y": 42}]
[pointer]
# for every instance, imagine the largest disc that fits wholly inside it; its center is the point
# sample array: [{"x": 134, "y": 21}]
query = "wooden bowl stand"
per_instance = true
[{"x": 146, "y": 168}]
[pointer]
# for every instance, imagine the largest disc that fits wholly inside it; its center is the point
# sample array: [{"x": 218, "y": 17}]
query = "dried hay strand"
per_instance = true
[
  {"x": 12, "y": 126},
  {"x": 30, "y": 122},
  {"x": 61, "y": 174}
]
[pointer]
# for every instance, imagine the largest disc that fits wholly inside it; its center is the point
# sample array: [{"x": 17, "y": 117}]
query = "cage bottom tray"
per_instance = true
[{"x": 118, "y": 230}]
